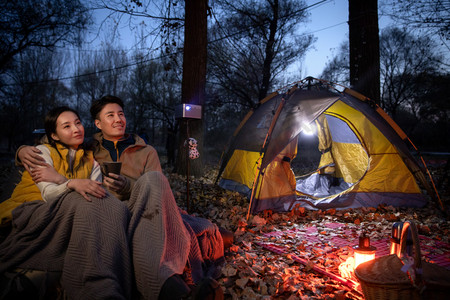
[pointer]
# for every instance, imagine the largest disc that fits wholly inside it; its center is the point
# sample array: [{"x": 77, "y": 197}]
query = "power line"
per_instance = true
[
  {"x": 329, "y": 27},
  {"x": 95, "y": 72},
  {"x": 167, "y": 55}
]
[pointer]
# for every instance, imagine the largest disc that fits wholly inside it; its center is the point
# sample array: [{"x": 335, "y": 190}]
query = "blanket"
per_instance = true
[
  {"x": 165, "y": 242},
  {"x": 206, "y": 253},
  {"x": 159, "y": 240},
  {"x": 86, "y": 241},
  {"x": 100, "y": 246}
]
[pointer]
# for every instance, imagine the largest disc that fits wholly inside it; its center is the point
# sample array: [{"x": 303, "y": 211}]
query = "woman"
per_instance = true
[{"x": 68, "y": 224}]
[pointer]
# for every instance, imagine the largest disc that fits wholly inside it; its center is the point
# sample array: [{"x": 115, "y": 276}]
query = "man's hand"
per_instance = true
[
  {"x": 87, "y": 187},
  {"x": 48, "y": 174},
  {"x": 31, "y": 158},
  {"x": 115, "y": 183}
]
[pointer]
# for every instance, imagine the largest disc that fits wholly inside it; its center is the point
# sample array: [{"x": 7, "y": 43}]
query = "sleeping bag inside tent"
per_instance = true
[{"x": 364, "y": 159}]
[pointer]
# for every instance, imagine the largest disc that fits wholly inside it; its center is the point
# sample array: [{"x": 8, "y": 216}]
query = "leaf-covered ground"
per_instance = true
[{"x": 254, "y": 272}]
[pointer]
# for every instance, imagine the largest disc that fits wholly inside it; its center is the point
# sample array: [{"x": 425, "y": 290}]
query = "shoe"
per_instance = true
[
  {"x": 227, "y": 237},
  {"x": 208, "y": 289},
  {"x": 15, "y": 286},
  {"x": 174, "y": 288}
]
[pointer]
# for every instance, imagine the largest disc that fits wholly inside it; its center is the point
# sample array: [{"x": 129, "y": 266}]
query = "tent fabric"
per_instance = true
[
  {"x": 279, "y": 179},
  {"x": 364, "y": 159},
  {"x": 240, "y": 172},
  {"x": 302, "y": 107},
  {"x": 351, "y": 159},
  {"x": 326, "y": 164}
]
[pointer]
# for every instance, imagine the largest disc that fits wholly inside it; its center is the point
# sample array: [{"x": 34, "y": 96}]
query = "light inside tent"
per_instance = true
[{"x": 308, "y": 129}]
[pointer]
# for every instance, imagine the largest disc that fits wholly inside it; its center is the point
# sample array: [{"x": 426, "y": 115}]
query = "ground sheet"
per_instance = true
[{"x": 326, "y": 238}]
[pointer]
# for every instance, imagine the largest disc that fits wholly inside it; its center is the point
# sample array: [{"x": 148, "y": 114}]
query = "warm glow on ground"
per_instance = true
[{"x": 346, "y": 269}]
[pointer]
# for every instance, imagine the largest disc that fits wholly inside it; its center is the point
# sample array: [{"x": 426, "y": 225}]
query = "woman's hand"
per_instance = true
[
  {"x": 115, "y": 183},
  {"x": 87, "y": 187},
  {"x": 48, "y": 174}
]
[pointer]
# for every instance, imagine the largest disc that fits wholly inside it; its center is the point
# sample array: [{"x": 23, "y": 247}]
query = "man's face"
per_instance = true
[{"x": 112, "y": 122}]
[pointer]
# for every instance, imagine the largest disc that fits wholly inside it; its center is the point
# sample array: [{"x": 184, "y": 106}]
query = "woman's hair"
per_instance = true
[
  {"x": 98, "y": 105},
  {"x": 50, "y": 122}
]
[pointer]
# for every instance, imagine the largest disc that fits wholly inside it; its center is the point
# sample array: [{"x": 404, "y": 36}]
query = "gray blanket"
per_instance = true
[
  {"x": 86, "y": 241},
  {"x": 98, "y": 245}
]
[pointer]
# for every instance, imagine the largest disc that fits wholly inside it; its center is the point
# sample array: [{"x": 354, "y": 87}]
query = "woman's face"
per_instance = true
[{"x": 69, "y": 130}]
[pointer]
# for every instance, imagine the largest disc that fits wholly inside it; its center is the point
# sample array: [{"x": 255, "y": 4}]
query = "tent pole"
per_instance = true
[
  {"x": 263, "y": 150},
  {"x": 255, "y": 183},
  {"x": 436, "y": 195}
]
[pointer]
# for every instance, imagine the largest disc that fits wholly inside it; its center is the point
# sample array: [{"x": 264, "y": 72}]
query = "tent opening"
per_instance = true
[{"x": 330, "y": 158}]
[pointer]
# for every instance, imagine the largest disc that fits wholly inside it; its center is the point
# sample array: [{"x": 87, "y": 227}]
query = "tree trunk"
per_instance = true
[
  {"x": 193, "y": 83},
  {"x": 364, "y": 48},
  {"x": 267, "y": 69}
]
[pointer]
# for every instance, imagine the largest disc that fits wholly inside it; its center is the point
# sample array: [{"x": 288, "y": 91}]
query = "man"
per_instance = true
[{"x": 163, "y": 241}]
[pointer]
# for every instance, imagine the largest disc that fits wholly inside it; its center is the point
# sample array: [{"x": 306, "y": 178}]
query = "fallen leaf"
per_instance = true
[
  {"x": 229, "y": 271},
  {"x": 242, "y": 282}
]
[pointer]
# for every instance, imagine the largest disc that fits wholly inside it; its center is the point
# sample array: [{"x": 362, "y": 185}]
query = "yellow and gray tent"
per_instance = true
[{"x": 365, "y": 157}]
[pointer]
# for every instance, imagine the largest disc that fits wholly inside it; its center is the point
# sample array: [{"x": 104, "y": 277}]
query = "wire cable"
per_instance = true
[{"x": 322, "y": 2}]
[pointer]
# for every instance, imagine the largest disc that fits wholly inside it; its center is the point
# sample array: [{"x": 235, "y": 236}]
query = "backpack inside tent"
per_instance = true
[{"x": 364, "y": 156}]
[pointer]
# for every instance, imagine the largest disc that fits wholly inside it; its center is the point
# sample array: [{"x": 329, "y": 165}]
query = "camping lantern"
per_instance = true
[{"x": 363, "y": 251}]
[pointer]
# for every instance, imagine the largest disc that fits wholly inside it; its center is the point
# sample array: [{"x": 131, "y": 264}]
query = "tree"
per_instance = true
[
  {"x": 31, "y": 91},
  {"x": 364, "y": 48},
  {"x": 44, "y": 24},
  {"x": 154, "y": 91},
  {"x": 252, "y": 43},
  {"x": 30, "y": 31},
  {"x": 404, "y": 57},
  {"x": 431, "y": 100},
  {"x": 430, "y": 109},
  {"x": 427, "y": 16},
  {"x": 160, "y": 22},
  {"x": 408, "y": 67},
  {"x": 98, "y": 73},
  {"x": 194, "y": 80},
  {"x": 337, "y": 70}
]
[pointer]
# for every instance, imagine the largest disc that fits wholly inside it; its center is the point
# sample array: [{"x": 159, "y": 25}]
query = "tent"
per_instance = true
[{"x": 365, "y": 158}]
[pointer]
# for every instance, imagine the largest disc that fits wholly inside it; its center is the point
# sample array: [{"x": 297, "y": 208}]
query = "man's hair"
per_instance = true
[{"x": 98, "y": 105}]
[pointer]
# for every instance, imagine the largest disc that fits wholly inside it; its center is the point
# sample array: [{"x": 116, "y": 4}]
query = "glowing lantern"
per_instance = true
[{"x": 363, "y": 251}]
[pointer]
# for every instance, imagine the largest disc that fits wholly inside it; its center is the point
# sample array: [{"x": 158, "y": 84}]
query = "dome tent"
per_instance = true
[{"x": 365, "y": 159}]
